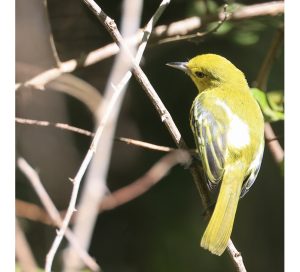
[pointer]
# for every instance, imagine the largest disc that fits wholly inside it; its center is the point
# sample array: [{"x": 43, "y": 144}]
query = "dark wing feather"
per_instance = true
[
  {"x": 253, "y": 171},
  {"x": 210, "y": 141}
]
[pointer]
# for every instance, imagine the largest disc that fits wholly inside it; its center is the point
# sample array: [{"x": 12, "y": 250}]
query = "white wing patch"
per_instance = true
[{"x": 238, "y": 132}]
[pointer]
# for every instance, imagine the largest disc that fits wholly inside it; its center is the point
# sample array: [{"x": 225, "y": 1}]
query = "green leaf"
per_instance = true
[
  {"x": 246, "y": 38},
  {"x": 276, "y": 100},
  {"x": 271, "y": 104}
]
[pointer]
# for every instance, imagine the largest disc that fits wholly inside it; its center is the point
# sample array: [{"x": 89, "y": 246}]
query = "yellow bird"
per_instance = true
[{"x": 228, "y": 129}]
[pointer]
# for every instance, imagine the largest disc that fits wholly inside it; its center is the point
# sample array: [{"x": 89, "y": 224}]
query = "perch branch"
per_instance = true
[{"x": 236, "y": 257}]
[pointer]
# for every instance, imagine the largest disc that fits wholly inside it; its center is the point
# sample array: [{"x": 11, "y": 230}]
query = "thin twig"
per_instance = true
[
  {"x": 63, "y": 126},
  {"x": 144, "y": 183},
  {"x": 33, "y": 177},
  {"x": 173, "y": 30},
  {"x": 145, "y": 145}
]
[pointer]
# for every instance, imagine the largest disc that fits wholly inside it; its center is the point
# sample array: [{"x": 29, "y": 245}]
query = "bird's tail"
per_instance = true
[{"x": 218, "y": 231}]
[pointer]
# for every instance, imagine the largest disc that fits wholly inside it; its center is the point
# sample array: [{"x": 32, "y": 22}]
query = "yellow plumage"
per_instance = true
[
  {"x": 217, "y": 233},
  {"x": 228, "y": 128}
]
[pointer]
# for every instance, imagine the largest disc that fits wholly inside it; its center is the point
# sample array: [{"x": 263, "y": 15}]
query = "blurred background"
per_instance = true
[{"x": 160, "y": 230}]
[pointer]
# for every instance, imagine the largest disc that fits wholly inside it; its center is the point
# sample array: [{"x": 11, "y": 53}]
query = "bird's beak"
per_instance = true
[{"x": 179, "y": 65}]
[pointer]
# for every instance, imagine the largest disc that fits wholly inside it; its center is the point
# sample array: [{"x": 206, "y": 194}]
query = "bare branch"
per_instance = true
[
  {"x": 274, "y": 145},
  {"x": 236, "y": 257},
  {"x": 145, "y": 145},
  {"x": 276, "y": 138},
  {"x": 63, "y": 126},
  {"x": 144, "y": 183},
  {"x": 33, "y": 177}
]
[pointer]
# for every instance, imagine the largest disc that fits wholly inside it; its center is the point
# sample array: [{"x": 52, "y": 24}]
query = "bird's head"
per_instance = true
[{"x": 210, "y": 71}]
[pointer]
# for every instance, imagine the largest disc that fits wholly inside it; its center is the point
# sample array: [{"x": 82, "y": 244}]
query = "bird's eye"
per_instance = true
[{"x": 200, "y": 74}]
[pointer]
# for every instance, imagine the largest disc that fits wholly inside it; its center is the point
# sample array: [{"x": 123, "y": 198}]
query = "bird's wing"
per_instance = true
[
  {"x": 210, "y": 139},
  {"x": 253, "y": 171}
]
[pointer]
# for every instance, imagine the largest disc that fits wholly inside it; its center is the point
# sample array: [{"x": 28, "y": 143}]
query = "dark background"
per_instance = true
[{"x": 161, "y": 230}]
